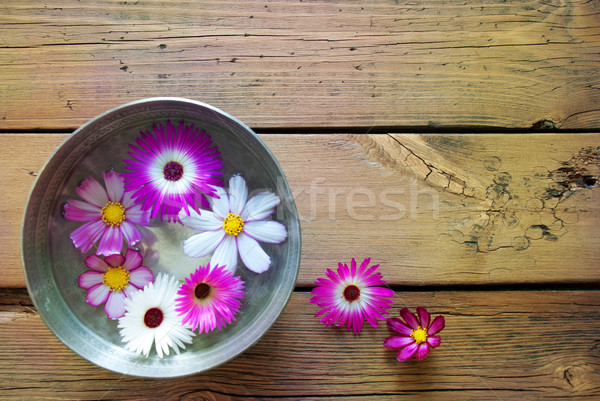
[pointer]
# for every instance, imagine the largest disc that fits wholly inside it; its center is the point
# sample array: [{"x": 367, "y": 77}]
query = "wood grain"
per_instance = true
[
  {"x": 496, "y": 345},
  {"x": 431, "y": 209},
  {"x": 300, "y": 64}
]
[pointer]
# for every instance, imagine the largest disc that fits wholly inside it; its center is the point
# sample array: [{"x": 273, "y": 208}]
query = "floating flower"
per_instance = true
[
  {"x": 417, "y": 335},
  {"x": 235, "y": 225},
  {"x": 171, "y": 168},
  {"x": 209, "y": 298},
  {"x": 150, "y": 317},
  {"x": 110, "y": 214},
  {"x": 351, "y": 296},
  {"x": 112, "y": 279}
]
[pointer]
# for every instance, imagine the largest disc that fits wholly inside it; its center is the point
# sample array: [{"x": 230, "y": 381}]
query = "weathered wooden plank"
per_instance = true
[
  {"x": 318, "y": 63},
  {"x": 431, "y": 209},
  {"x": 496, "y": 345}
]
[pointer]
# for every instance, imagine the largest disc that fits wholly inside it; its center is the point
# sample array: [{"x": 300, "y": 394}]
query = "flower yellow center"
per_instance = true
[
  {"x": 116, "y": 278},
  {"x": 113, "y": 213},
  {"x": 233, "y": 224},
  {"x": 420, "y": 335}
]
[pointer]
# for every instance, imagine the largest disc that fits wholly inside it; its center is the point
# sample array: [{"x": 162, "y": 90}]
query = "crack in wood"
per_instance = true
[{"x": 507, "y": 220}]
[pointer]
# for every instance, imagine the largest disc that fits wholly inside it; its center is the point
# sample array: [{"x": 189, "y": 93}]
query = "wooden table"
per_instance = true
[{"x": 455, "y": 143}]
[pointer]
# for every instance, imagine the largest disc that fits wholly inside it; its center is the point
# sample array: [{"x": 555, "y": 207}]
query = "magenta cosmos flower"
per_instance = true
[
  {"x": 351, "y": 296},
  {"x": 112, "y": 279},
  {"x": 110, "y": 214},
  {"x": 417, "y": 335},
  {"x": 235, "y": 225},
  {"x": 171, "y": 168},
  {"x": 209, "y": 298}
]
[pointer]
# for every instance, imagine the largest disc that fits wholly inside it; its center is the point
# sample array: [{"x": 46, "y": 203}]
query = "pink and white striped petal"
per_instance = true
[
  {"x": 114, "y": 185},
  {"x": 89, "y": 279},
  {"x": 115, "y": 305},
  {"x": 97, "y": 295},
  {"x": 133, "y": 260},
  {"x": 92, "y": 192},
  {"x": 140, "y": 277},
  {"x": 95, "y": 262},
  {"x": 78, "y": 210},
  {"x": 111, "y": 242}
]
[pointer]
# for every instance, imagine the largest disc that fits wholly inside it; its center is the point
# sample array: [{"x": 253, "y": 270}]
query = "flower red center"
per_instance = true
[
  {"x": 153, "y": 318},
  {"x": 351, "y": 293},
  {"x": 173, "y": 171},
  {"x": 202, "y": 291}
]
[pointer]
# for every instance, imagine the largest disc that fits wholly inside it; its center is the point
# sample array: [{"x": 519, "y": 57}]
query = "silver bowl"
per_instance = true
[{"x": 52, "y": 264}]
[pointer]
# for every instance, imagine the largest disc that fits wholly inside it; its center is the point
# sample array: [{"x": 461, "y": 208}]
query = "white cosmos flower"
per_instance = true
[
  {"x": 150, "y": 317},
  {"x": 235, "y": 225}
]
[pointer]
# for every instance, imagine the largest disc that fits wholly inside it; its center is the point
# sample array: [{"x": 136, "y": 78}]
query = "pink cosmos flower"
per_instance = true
[
  {"x": 171, "y": 168},
  {"x": 351, "y": 296},
  {"x": 110, "y": 214},
  {"x": 417, "y": 335},
  {"x": 235, "y": 226},
  {"x": 112, "y": 279},
  {"x": 209, "y": 298}
]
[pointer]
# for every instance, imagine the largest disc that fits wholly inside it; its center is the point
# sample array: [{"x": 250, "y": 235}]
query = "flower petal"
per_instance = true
[
  {"x": 87, "y": 235},
  {"x": 220, "y": 205},
  {"x": 133, "y": 259},
  {"x": 131, "y": 233},
  {"x": 115, "y": 260},
  {"x": 203, "y": 221},
  {"x": 95, "y": 262},
  {"x": 78, "y": 210},
  {"x": 226, "y": 254},
  {"x": 407, "y": 352},
  {"x": 434, "y": 341},
  {"x": 437, "y": 325},
  {"x": 114, "y": 185},
  {"x": 111, "y": 242},
  {"x": 203, "y": 243},
  {"x": 253, "y": 256},
  {"x": 89, "y": 279},
  {"x": 260, "y": 206},
  {"x": 97, "y": 295},
  {"x": 268, "y": 231},
  {"x": 92, "y": 192},
  {"x": 238, "y": 194},
  {"x": 136, "y": 215},
  {"x": 140, "y": 277},
  {"x": 398, "y": 326},
  {"x": 409, "y": 318},
  {"x": 115, "y": 305},
  {"x": 422, "y": 351},
  {"x": 424, "y": 317},
  {"x": 397, "y": 341}
]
